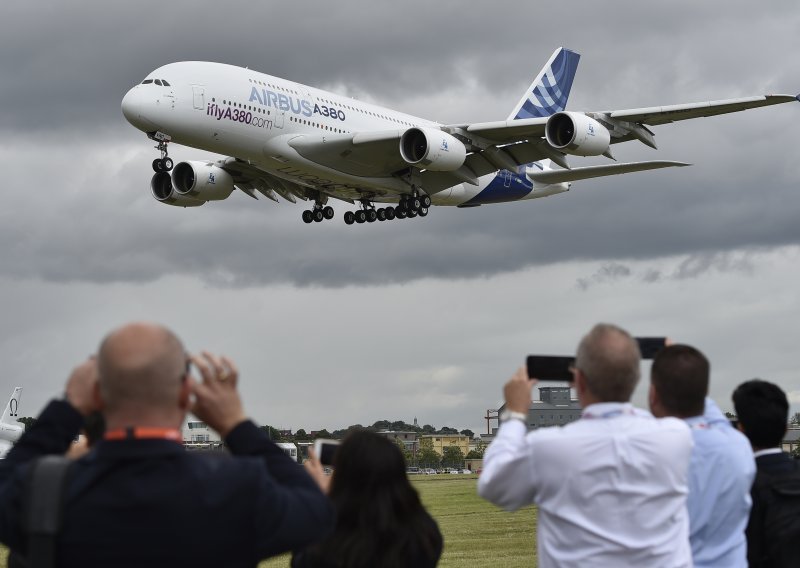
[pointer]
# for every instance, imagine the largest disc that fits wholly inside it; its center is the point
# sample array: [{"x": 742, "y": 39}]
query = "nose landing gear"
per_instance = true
[{"x": 164, "y": 163}]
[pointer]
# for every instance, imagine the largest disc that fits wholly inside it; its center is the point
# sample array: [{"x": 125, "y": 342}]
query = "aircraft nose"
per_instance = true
[{"x": 134, "y": 107}]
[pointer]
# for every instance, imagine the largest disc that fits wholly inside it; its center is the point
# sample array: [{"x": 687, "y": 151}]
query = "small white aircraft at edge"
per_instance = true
[
  {"x": 10, "y": 429},
  {"x": 298, "y": 142}
]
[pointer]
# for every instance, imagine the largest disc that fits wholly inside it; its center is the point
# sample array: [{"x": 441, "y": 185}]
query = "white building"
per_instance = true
[{"x": 197, "y": 435}]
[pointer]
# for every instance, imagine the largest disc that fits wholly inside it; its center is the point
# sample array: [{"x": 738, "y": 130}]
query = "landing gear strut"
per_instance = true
[{"x": 164, "y": 163}]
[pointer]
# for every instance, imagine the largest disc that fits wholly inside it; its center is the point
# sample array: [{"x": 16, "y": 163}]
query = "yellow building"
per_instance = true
[{"x": 442, "y": 441}]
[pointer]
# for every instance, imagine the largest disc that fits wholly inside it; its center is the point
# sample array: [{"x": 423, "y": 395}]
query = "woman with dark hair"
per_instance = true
[{"x": 380, "y": 521}]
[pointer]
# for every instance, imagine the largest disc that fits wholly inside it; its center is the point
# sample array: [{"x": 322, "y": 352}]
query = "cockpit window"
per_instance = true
[
  {"x": 165, "y": 83},
  {"x": 146, "y": 81},
  {"x": 158, "y": 82}
]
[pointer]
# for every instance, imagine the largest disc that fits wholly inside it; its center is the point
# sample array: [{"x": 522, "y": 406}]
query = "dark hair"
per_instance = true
[
  {"x": 680, "y": 376},
  {"x": 762, "y": 410},
  {"x": 380, "y": 520}
]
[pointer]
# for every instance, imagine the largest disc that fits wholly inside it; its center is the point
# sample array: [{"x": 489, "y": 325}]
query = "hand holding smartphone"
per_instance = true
[{"x": 325, "y": 450}]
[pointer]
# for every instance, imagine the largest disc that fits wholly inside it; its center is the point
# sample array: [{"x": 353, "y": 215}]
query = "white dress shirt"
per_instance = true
[{"x": 611, "y": 487}]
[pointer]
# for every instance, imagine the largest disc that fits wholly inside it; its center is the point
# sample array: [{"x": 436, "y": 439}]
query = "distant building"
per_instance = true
[
  {"x": 556, "y": 407},
  {"x": 791, "y": 440},
  {"x": 197, "y": 435},
  {"x": 442, "y": 441}
]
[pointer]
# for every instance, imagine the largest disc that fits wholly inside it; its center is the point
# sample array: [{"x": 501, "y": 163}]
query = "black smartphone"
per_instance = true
[
  {"x": 550, "y": 367},
  {"x": 325, "y": 450},
  {"x": 650, "y": 346}
]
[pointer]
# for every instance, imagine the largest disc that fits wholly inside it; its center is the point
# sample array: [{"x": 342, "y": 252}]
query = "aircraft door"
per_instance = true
[
  {"x": 280, "y": 116},
  {"x": 199, "y": 97}
]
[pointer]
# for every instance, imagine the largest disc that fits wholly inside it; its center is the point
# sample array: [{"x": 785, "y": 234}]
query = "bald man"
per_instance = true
[{"x": 139, "y": 499}]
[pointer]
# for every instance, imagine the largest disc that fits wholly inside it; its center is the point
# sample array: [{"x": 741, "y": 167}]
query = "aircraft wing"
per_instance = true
[
  {"x": 588, "y": 172},
  {"x": 509, "y": 131}
]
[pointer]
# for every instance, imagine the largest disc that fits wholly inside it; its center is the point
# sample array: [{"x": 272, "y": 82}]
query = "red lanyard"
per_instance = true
[{"x": 137, "y": 433}]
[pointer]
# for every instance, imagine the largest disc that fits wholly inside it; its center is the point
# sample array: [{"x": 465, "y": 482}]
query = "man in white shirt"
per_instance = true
[{"x": 611, "y": 487}]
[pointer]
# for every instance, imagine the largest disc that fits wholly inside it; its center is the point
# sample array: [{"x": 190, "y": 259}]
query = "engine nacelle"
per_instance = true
[
  {"x": 201, "y": 181},
  {"x": 577, "y": 134},
  {"x": 432, "y": 149},
  {"x": 162, "y": 190}
]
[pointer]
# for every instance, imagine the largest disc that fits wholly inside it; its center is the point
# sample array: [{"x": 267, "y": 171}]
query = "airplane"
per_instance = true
[
  {"x": 299, "y": 142},
  {"x": 10, "y": 429}
]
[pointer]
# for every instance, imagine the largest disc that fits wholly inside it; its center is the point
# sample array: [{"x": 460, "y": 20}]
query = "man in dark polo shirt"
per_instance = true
[{"x": 139, "y": 499}]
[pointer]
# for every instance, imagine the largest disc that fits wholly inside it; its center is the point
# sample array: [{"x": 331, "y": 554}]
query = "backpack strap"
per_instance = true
[{"x": 44, "y": 508}]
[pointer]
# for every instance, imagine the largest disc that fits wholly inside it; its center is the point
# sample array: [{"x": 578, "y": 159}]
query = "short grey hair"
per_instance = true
[{"x": 608, "y": 357}]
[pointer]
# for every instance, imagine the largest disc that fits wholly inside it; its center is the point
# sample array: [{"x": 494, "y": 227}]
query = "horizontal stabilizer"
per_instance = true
[{"x": 575, "y": 174}]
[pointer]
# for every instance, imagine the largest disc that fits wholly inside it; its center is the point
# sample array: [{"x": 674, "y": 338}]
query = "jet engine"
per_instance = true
[
  {"x": 162, "y": 190},
  {"x": 577, "y": 134},
  {"x": 428, "y": 148},
  {"x": 201, "y": 181}
]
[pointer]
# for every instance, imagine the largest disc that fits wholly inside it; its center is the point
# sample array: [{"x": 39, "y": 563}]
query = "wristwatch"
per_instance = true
[{"x": 507, "y": 415}]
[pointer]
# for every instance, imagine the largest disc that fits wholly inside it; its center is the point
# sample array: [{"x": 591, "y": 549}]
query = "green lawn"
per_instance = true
[{"x": 475, "y": 532}]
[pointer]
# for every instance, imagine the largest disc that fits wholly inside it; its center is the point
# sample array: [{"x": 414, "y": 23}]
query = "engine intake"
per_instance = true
[
  {"x": 201, "y": 181},
  {"x": 162, "y": 190},
  {"x": 428, "y": 148},
  {"x": 577, "y": 134}
]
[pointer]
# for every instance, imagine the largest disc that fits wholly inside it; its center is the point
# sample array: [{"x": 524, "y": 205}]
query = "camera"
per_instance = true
[{"x": 325, "y": 450}]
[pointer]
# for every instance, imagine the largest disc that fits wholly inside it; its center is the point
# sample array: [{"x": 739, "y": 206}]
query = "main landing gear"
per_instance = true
[
  {"x": 318, "y": 213},
  {"x": 409, "y": 207}
]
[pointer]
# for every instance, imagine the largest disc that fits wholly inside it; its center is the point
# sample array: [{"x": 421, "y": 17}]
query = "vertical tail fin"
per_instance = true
[
  {"x": 11, "y": 412},
  {"x": 550, "y": 89}
]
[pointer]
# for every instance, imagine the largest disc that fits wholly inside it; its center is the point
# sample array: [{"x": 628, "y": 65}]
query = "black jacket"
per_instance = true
[{"x": 150, "y": 503}]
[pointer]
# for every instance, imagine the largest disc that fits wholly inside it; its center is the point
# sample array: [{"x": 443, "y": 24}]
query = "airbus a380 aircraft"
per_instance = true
[
  {"x": 10, "y": 429},
  {"x": 294, "y": 141}
]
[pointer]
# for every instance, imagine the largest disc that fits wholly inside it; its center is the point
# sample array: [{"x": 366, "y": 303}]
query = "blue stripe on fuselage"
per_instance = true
[{"x": 506, "y": 186}]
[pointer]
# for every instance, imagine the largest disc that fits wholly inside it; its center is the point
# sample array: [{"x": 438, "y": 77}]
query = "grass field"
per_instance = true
[{"x": 475, "y": 532}]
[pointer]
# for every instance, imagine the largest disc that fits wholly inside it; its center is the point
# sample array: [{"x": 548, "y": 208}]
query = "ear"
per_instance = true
[
  {"x": 654, "y": 402},
  {"x": 184, "y": 396},
  {"x": 97, "y": 396}
]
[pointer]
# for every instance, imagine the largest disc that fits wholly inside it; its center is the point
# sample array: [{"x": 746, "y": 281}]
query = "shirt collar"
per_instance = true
[
  {"x": 607, "y": 409},
  {"x": 767, "y": 452}
]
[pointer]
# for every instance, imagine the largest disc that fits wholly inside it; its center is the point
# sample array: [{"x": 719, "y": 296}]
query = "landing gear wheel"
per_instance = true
[
  {"x": 412, "y": 213},
  {"x": 328, "y": 212},
  {"x": 399, "y": 212},
  {"x": 318, "y": 215},
  {"x": 167, "y": 164},
  {"x": 426, "y": 201},
  {"x": 423, "y": 211},
  {"x": 360, "y": 216},
  {"x": 414, "y": 203},
  {"x": 371, "y": 215},
  {"x": 390, "y": 213},
  {"x": 349, "y": 218},
  {"x": 381, "y": 214},
  {"x": 308, "y": 217},
  {"x": 158, "y": 165}
]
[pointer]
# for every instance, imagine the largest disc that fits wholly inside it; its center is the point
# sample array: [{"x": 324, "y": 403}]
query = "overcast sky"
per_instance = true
[{"x": 335, "y": 325}]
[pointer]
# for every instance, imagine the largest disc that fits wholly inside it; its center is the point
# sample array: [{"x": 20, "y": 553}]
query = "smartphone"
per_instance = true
[
  {"x": 550, "y": 367},
  {"x": 325, "y": 450},
  {"x": 650, "y": 346}
]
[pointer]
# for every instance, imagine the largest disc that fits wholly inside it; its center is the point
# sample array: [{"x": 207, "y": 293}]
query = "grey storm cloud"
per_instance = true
[{"x": 86, "y": 215}]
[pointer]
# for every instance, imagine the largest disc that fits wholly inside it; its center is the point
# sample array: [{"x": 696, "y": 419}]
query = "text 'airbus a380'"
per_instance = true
[{"x": 294, "y": 141}]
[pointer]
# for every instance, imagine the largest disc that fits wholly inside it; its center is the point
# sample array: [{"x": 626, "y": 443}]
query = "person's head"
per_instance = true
[
  {"x": 679, "y": 382},
  {"x": 380, "y": 519},
  {"x": 606, "y": 365},
  {"x": 142, "y": 376},
  {"x": 763, "y": 411}
]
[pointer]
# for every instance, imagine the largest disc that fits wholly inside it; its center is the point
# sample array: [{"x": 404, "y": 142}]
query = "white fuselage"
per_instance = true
[{"x": 253, "y": 116}]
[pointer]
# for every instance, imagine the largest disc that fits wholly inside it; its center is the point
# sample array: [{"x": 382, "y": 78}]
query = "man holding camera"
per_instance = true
[
  {"x": 721, "y": 469},
  {"x": 610, "y": 487},
  {"x": 139, "y": 499}
]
